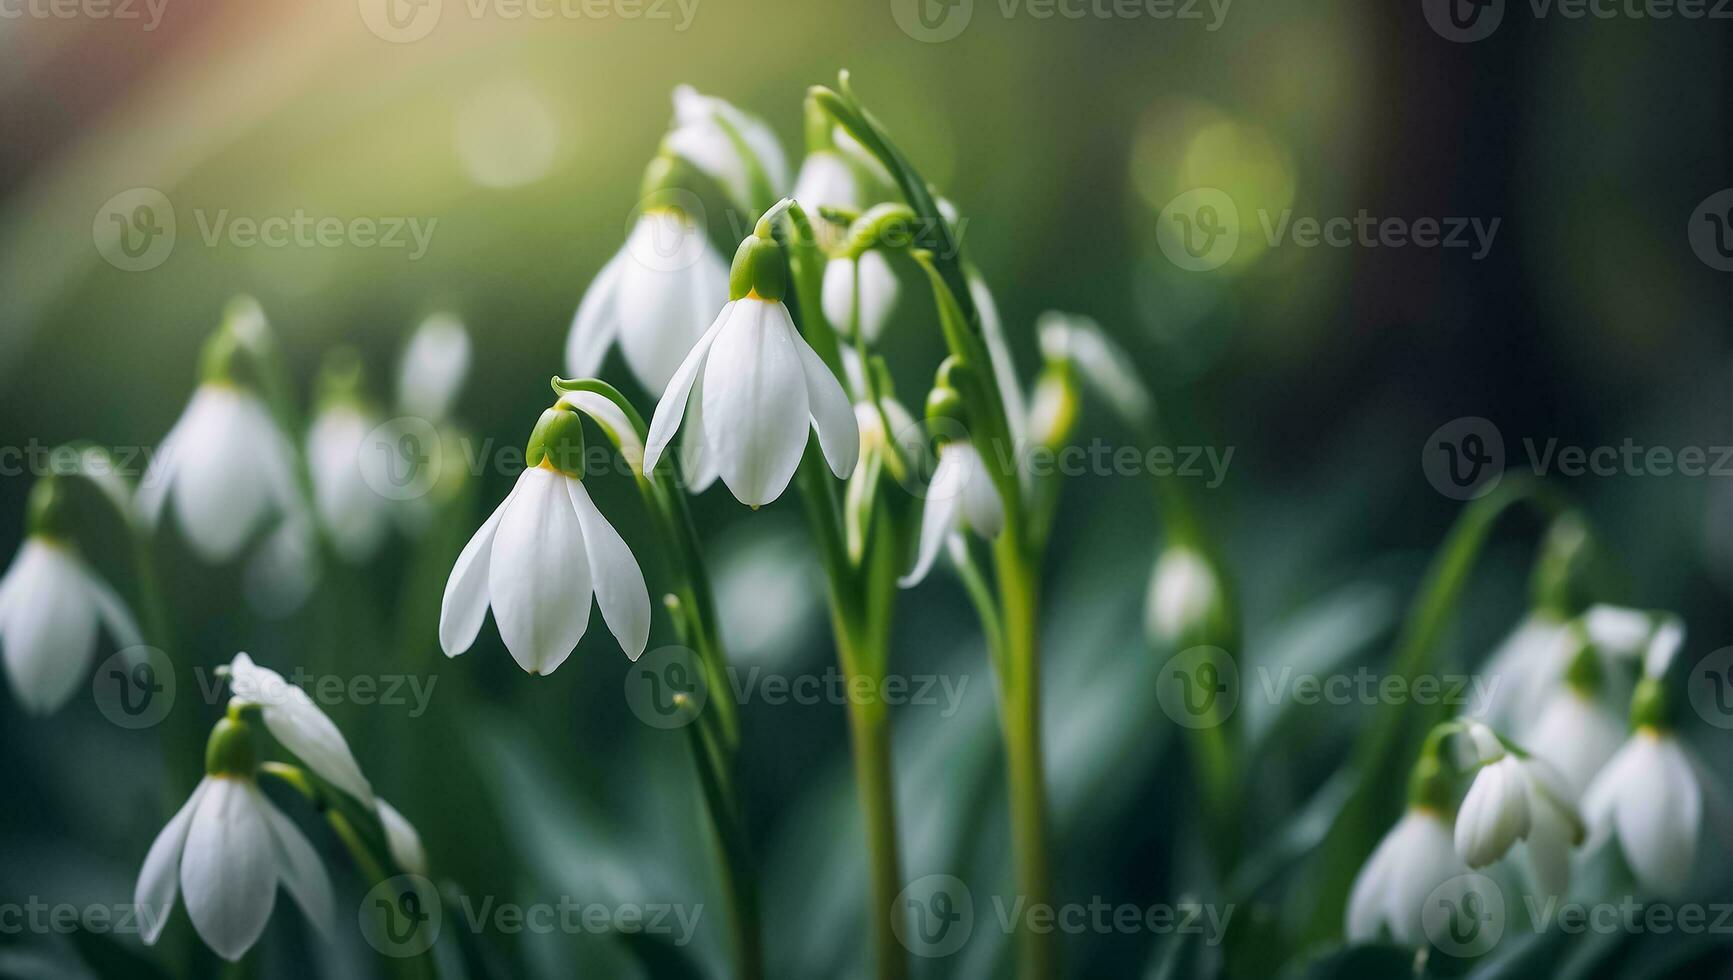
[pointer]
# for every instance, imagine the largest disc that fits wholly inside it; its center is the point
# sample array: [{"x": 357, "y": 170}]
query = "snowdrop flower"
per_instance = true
[
  {"x": 756, "y": 387},
  {"x": 1185, "y": 595},
  {"x": 225, "y": 464},
  {"x": 1409, "y": 864},
  {"x": 1516, "y": 799},
  {"x": 961, "y": 495},
  {"x": 654, "y": 297},
  {"x": 701, "y": 135},
  {"x": 1650, "y": 795},
  {"x": 297, "y": 723},
  {"x": 402, "y": 840},
  {"x": 51, "y": 606},
  {"x": 355, "y": 516},
  {"x": 878, "y": 293},
  {"x": 433, "y": 368},
  {"x": 226, "y": 851},
  {"x": 539, "y": 558}
]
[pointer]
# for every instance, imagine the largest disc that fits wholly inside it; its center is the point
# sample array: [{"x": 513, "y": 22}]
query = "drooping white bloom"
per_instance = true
[
  {"x": 536, "y": 562},
  {"x": 433, "y": 368},
  {"x": 756, "y": 388},
  {"x": 1101, "y": 363},
  {"x": 878, "y": 293},
  {"x": 1577, "y": 734},
  {"x": 700, "y": 135},
  {"x": 402, "y": 840},
  {"x": 226, "y": 466},
  {"x": 224, "y": 853},
  {"x": 1649, "y": 797},
  {"x": 1520, "y": 799},
  {"x": 1412, "y": 861},
  {"x": 1182, "y": 593},
  {"x": 51, "y": 605},
  {"x": 294, "y": 720},
  {"x": 655, "y": 297},
  {"x": 896, "y": 426},
  {"x": 961, "y": 495},
  {"x": 355, "y": 516}
]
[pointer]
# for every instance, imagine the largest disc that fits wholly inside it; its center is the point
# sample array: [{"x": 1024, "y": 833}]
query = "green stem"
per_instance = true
[
  {"x": 723, "y": 802},
  {"x": 1020, "y": 718}
]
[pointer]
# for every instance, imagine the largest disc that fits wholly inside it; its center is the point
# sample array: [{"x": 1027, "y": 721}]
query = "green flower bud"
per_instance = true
[
  {"x": 944, "y": 406},
  {"x": 1054, "y": 406},
  {"x": 217, "y": 361},
  {"x": 883, "y": 225},
  {"x": 1561, "y": 573},
  {"x": 557, "y": 442},
  {"x": 340, "y": 378},
  {"x": 1430, "y": 784},
  {"x": 231, "y": 750},
  {"x": 1584, "y": 670},
  {"x": 1649, "y": 705},
  {"x": 759, "y": 268},
  {"x": 45, "y": 510}
]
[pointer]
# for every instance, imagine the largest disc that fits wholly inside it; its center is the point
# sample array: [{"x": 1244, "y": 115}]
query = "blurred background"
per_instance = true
[{"x": 517, "y": 145}]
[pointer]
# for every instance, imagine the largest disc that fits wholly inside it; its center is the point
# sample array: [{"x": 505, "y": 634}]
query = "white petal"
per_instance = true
[
  {"x": 669, "y": 289},
  {"x": 672, "y": 405},
  {"x": 1549, "y": 848},
  {"x": 153, "y": 488},
  {"x": 539, "y": 574},
  {"x": 1601, "y": 799},
  {"x": 1369, "y": 898},
  {"x": 294, "y": 720},
  {"x": 219, "y": 496},
  {"x": 432, "y": 370},
  {"x": 825, "y": 180},
  {"x": 112, "y": 611},
  {"x": 1576, "y": 735},
  {"x": 464, "y": 607},
  {"x": 983, "y": 512},
  {"x": 303, "y": 874},
  {"x": 1659, "y": 814},
  {"x": 1426, "y": 860},
  {"x": 355, "y": 516},
  {"x": 619, "y": 584},
  {"x": 878, "y": 293},
  {"x": 596, "y": 323},
  {"x": 756, "y": 412},
  {"x": 938, "y": 520},
  {"x": 402, "y": 839},
  {"x": 1495, "y": 813},
  {"x": 229, "y": 869},
  {"x": 832, "y": 415},
  {"x": 50, "y": 626},
  {"x": 159, "y": 879}
]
